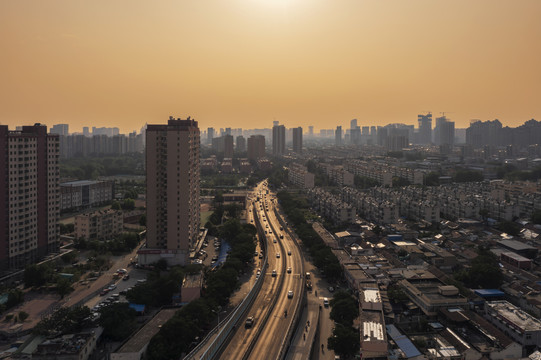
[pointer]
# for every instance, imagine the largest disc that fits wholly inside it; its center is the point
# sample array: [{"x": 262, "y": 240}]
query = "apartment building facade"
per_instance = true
[
  {"x": 173, "y": 219},
  {"x": 29, "y": 194}
]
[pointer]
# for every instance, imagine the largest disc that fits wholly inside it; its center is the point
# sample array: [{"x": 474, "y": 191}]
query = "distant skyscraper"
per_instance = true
[
  {"x": 365, "y": 130},
  {"x": 29, "y": 195},
  {"x": 425, "y": 128},
  {"x": 297, "y": 140},
  {"x": 397, "y": 137},
  {"x": 60, "y": 129},
  {"x": 444, "y": 132},
  {"x": 227, "y": 131},
  {"x": 228, "y": 146},
  {"x": 86, "y": 131},
  {"x": 278, "y": 140},
  {"x": 355, "y": 135},
  {"x": 338, "y": 136},
  {"x": 353, "y": 124},
  {"x": 210, "y": 135},
  {"x": 256, "y": 147},
  {"x": 311, "y": 131},
  {"x": 241, "y": 143},
  {"x": 275, "y": 123},
  {"x": 173, "y": 219},
  {"x": 486, "y": 133}
]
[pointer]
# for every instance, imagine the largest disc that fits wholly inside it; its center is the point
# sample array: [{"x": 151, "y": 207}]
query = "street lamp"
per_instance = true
[{"x": 217, "y": 312}]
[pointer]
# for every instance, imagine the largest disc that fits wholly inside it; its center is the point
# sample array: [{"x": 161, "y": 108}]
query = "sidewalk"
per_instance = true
[{"x": 305, "y": 336}]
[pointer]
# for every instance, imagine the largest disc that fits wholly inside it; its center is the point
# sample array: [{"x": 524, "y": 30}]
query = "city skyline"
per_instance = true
[{"x": 249, "y": 62}]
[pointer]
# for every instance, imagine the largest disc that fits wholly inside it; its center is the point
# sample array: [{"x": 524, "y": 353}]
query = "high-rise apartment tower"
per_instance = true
[
  {"x": 256, "y": 147},
  {"x": 278, "y": 140},
  {"x": 29, "y": 195},
  {"x": 173, "y": 217},
  {"x": 297, "y": 140},
  {"x": 338, "y": 136},
  {"x": 425, "y": 128}
]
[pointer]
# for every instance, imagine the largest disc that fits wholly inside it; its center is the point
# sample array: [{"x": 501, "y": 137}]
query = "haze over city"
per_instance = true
[{"x": 245, "y": 63}]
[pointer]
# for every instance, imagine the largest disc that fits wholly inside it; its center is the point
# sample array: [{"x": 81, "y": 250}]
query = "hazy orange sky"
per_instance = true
[{"x": 244, "y": 63}]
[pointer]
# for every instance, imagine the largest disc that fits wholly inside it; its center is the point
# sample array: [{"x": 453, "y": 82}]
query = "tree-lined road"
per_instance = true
[{"x": 267, "y": 335}]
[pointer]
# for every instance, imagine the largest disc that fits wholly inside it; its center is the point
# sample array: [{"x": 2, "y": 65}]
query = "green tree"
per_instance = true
[
  {"x": 400, "y": 181},
  {"x": 38, "y": 275},
  {"x": 536, "y": 217},
  {"x": 509, "y": 227},
  {"x": 344, "y": 308},
  {"x": 116, "y": 205},
  {"x": 128, "y": 204},
  {"x": 23, "y": 316},
  {"x": 484, "y": 272},
  {"x": 118, "y": 321},
  {"x": 15, "y": 297},
  {"x": 63, "y": 287},
  {"x": 143, "y": 220},
  {"x": 345, "y": 341},
  {"x": 463, "y": 175},
  {"x": 64, "y": 320},
  {"x": 395, "y": 154},
  {"x": 432, "y": 179}
]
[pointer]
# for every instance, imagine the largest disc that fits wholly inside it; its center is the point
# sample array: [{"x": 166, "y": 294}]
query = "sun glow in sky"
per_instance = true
[{"x": 243, "y": 63}]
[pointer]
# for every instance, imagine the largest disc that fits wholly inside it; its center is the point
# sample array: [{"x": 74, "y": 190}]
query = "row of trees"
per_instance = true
[
  {"x": 296, "y": 207},
  {"x": 160, "y": 286},
  {"x": 178, "y": 334},
  {"x": 93, "y": 167},
  {"x": 121, "y": 244},
  {"x": 345, "y": 339}
]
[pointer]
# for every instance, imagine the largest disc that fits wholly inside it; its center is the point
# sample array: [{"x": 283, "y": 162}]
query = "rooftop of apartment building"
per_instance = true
[
  {"x": 81, "y": 182},
  {"x": 373, "y": 334},
  {"x": 515, "y": 316},
  {"x": 193, "y": 281},
  {"x": 143, "y": 336},
  {"x": 66, "y": 344},
  {"x": 99, "y": 212}
]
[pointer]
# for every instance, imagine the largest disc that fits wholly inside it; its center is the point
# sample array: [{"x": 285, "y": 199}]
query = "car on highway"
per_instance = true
[
  {"x": 281, "y": 236},
  {"x": 104, "y": 292},
  {"x": 326, "y": 302},
  {"x": 290, "y": 294},
  {"x": 289, "y": 252},
  {"x": 126, "y": 277},
  {"x": 273, "y": 273},
  {"x": 261, "y": 256},
  {"x": 249, "y": 322},
  {"x": 274, "y": 240},
  {"x": 277, "y": 255},
  {"x": 289, "y": 270}
]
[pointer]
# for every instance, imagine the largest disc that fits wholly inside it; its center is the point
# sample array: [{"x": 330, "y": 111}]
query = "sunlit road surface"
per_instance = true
[{"x": 266, "y": 336}]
